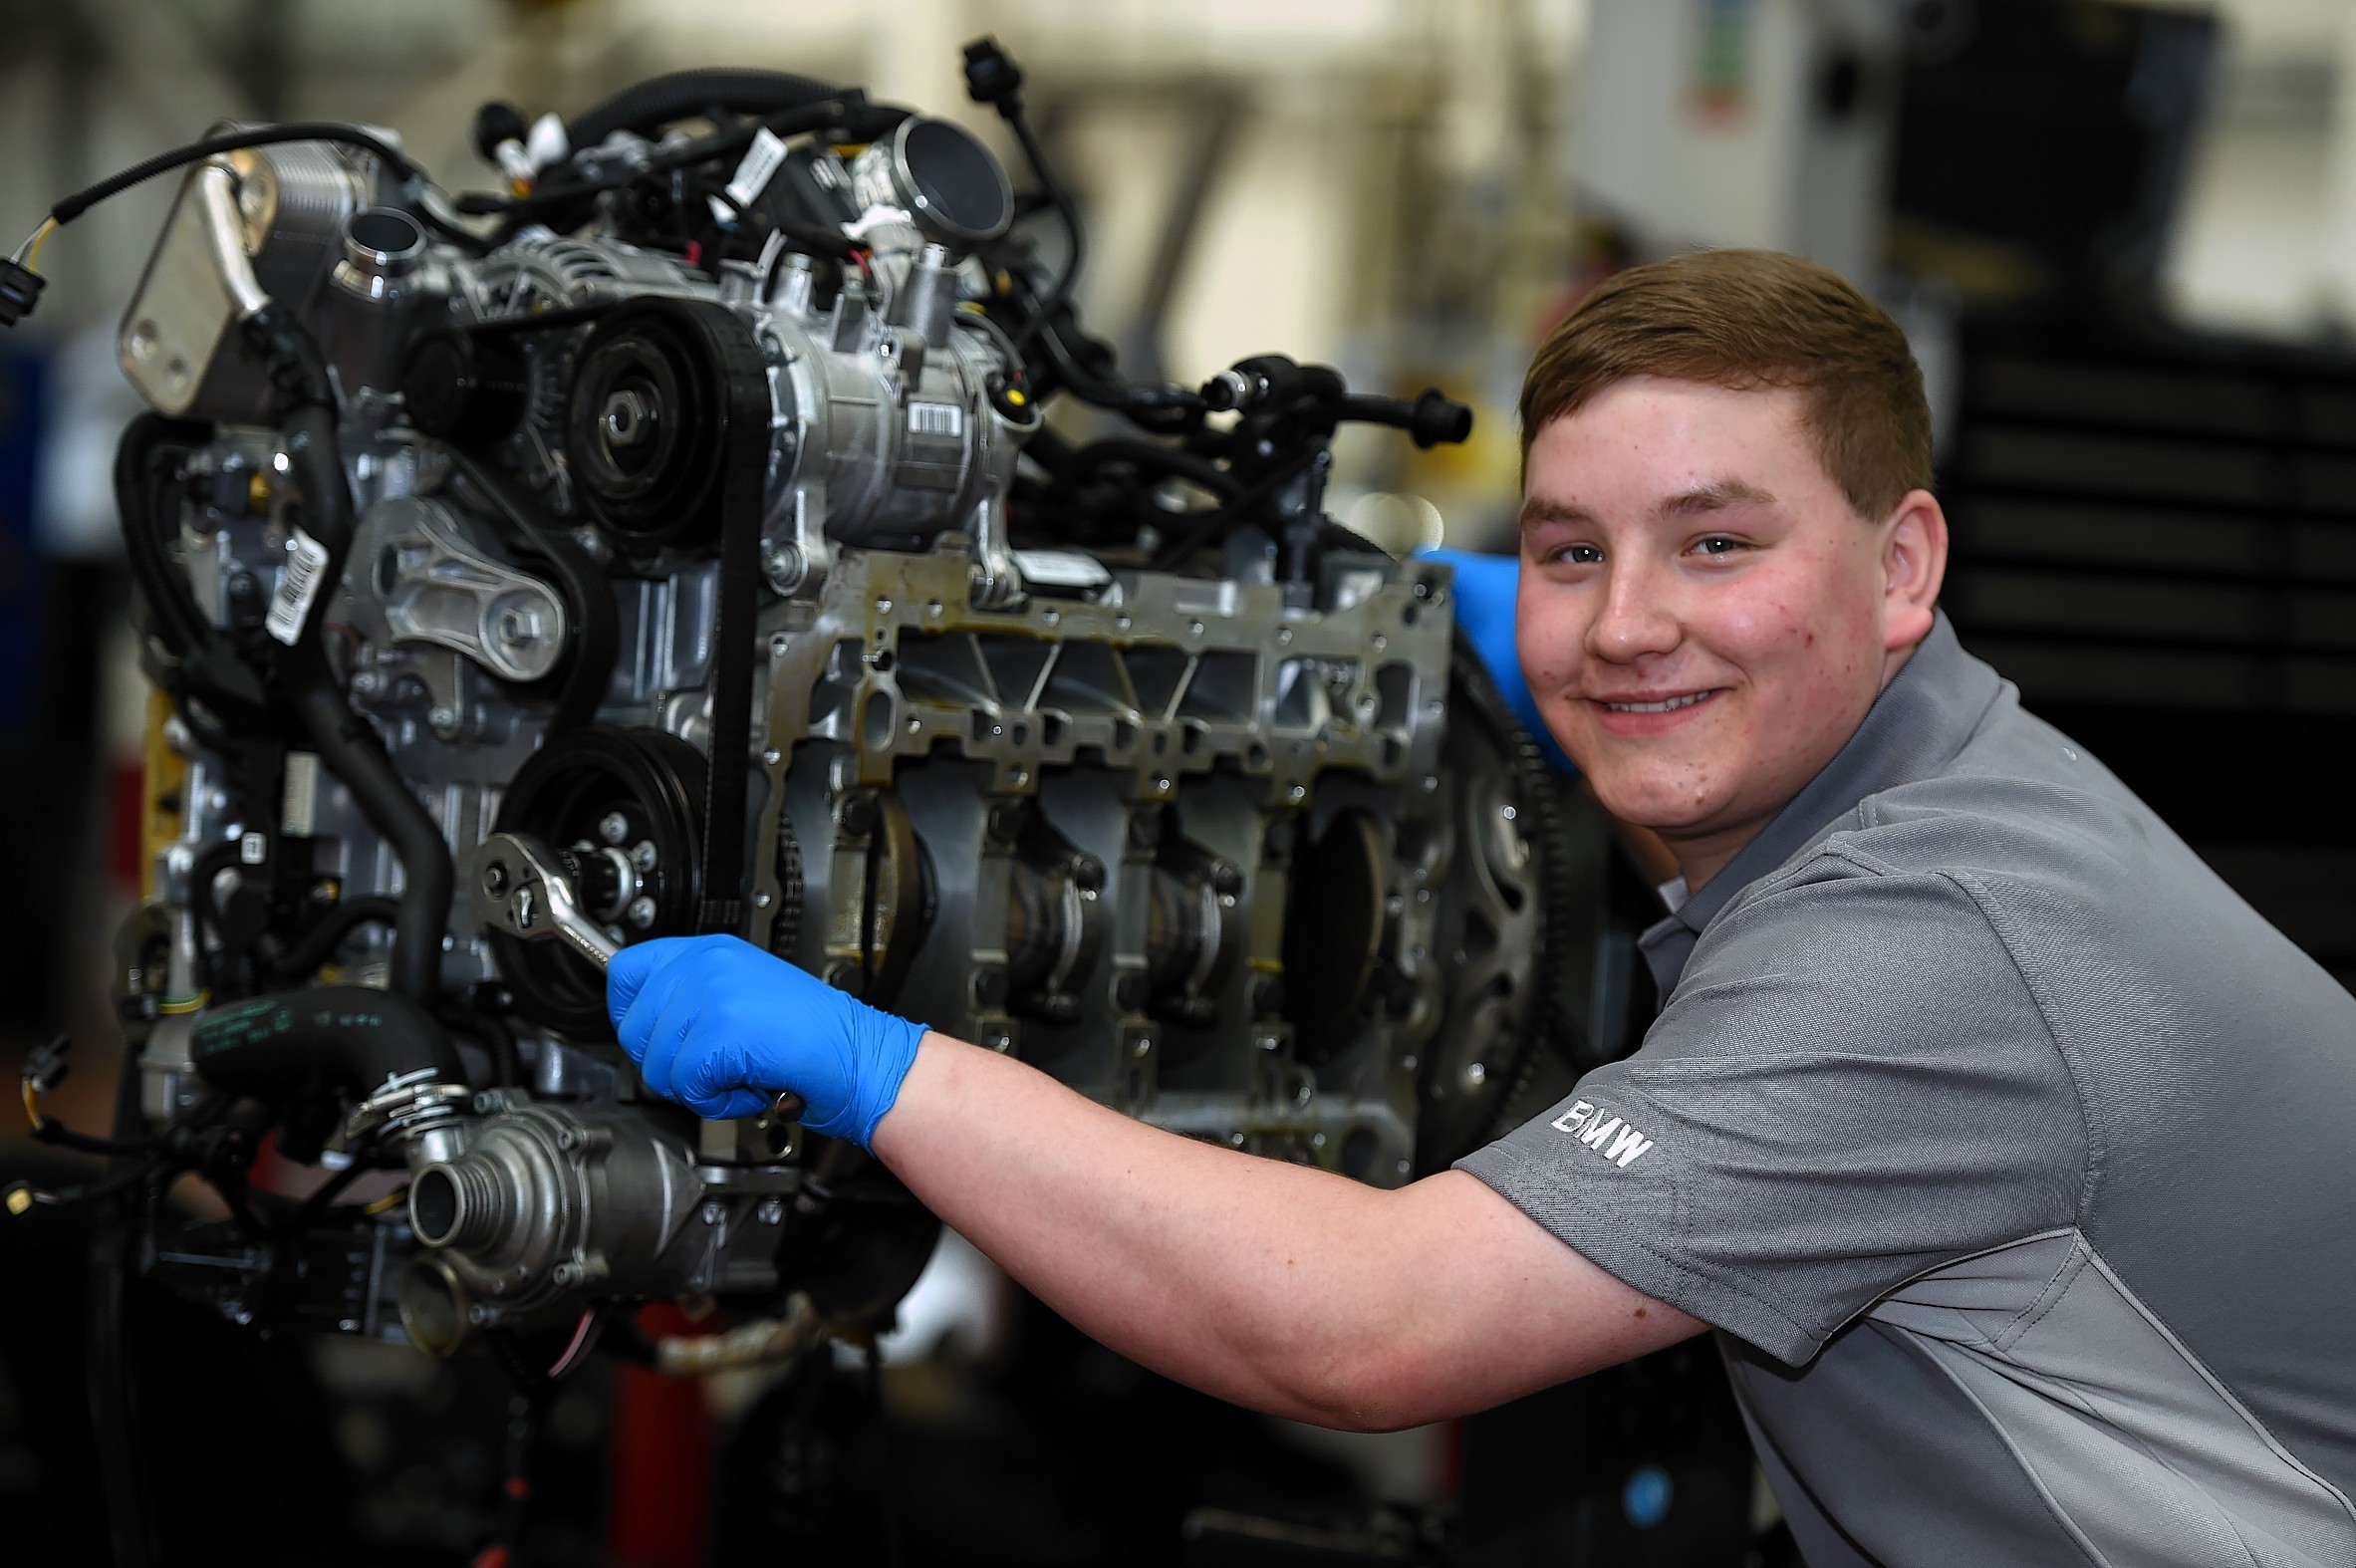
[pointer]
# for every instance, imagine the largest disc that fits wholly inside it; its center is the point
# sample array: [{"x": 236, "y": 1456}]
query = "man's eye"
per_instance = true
[
  {"x": 1717, "y": 544},
  {"x": 1579, "y": 555}
]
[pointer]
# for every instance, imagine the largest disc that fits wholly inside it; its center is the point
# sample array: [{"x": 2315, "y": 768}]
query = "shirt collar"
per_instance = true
[{"x": 1917, "y": 726}]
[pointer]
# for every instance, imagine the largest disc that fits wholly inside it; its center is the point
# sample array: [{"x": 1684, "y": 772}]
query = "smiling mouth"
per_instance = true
[{"x": 1666, "y": 706}]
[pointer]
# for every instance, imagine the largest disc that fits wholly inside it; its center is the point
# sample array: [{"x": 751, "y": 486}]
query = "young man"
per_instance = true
[{"x": 2001, "y": 1142}]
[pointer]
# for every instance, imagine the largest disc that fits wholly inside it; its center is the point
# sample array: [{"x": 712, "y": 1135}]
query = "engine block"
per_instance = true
[
  {"x": 1083, "y": 831},
  {"x": 698, "y": 519}
]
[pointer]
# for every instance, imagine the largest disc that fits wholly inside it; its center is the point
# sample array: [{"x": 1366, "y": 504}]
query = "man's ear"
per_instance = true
[{"x": 1914, "y": 565}]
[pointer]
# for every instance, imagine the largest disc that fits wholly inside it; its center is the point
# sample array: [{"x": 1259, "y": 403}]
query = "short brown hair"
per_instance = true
[{"x": 1743, "y": 319}]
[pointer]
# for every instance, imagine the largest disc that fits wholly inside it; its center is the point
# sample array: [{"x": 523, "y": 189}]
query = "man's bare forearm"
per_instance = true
[{"x": 1284, "y": 1288}]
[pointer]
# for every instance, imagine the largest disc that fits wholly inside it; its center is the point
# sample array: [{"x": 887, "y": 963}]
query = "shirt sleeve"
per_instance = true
[{"x": 1852, "y": 1085}]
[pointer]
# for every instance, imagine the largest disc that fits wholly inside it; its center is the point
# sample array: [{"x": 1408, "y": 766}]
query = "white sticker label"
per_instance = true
[
  {"x": 937, "y": 418},
  {"x": 290, "y": 607},
  {"x": 759, "y": 165},
  {"x": 300, "y": 806}
]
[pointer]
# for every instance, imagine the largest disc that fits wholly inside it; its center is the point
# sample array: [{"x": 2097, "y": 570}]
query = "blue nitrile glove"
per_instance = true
[
  {"x": 722, "y": 1027},
  {"x": 1486, "y": 587}
]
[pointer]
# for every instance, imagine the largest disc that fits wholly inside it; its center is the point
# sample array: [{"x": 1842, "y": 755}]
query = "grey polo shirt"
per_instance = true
[{"x": 2008, "y": 1148}]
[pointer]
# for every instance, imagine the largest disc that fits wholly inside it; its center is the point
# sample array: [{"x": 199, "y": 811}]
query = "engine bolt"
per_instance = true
[
  {"x": 442, "y": 718},
  {"x": 494, "y": 878},
  {"x": 479, "y": 1314},
  {"x": 1128, "y": 992},
  {"x": 566, "y": 1274},
  {"x": 842, "y": 975},
  {"x": 1225, "y": 878},
  {"x": 714, "y": 1213},
  {"x": 858, "y": 814},
  {"x": 1088, "y": 873},
  {"x": 628, "y": 418},
  {"x": 1145, "y": 829},
  {"x": 641, "y": 854},
  {"x": 772, "y": 1210},
  {"x": 641, "y": 911},
  {"x": 1006, "y": 821},
  {"x": 614, "y": 827},
  {"x": 989, "y": 986}
]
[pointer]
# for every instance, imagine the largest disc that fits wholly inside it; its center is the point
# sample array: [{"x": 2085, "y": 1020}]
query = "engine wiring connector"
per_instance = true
[
  {"x": 20, "y": 291},
  {"x": 47, "y": 1067}
]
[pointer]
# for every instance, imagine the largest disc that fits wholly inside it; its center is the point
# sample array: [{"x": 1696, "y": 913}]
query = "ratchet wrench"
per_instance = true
[{"x": 527, "y": 892}]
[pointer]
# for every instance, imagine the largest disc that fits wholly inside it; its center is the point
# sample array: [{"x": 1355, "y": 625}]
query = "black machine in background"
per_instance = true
[{"x": 2155, "y": 528}]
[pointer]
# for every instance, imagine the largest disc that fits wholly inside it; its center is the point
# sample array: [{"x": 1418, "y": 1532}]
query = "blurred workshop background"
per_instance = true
[{"x": 2122, "y": 236}]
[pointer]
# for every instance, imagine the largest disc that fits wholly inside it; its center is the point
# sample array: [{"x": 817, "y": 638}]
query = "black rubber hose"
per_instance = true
[
  {"x": 1149, "y": 457},
  {"x": 178, "y": 621},
  {"x": 350, "y": 750},
  {"x": 352, "y": 1037},
  {"x": 1433, "y": 419},
  {"x": 1202, "y": 526},
  {"x": 681, "y": 95},
  {"x": 346, "y": 746},
  {"x": 73, "y": 206},
  {"x": 200, "y": 662},
  {"x": 302, "y": 960}
]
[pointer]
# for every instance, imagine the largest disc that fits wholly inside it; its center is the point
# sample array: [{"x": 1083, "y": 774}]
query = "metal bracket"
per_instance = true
[{"x": 432, "y": 583}]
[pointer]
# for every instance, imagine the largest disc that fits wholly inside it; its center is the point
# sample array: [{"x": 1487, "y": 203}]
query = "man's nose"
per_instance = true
[{"x": 1637, "y": 617}]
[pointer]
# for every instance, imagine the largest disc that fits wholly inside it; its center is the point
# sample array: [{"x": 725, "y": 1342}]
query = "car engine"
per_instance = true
[{"x": 676, "y": 541}]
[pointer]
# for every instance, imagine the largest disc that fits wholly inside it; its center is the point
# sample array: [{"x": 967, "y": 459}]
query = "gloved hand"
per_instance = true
[{"x": 721, "y": 1027}]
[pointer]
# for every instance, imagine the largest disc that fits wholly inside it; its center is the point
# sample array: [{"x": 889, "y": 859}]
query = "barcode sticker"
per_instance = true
[
  {"x": 758, "y": 168},
  {"x": 937, "y": 418},
  {"x": 290, "y": 607}
]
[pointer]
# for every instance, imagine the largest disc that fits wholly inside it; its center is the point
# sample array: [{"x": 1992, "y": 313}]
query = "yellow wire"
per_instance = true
[
  {"x": 392, "y": 1199},
  {"x": 32, "y": 1109},
  {"x": 40, "y": 238},
  {"x": 189, "y": 1005}
]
